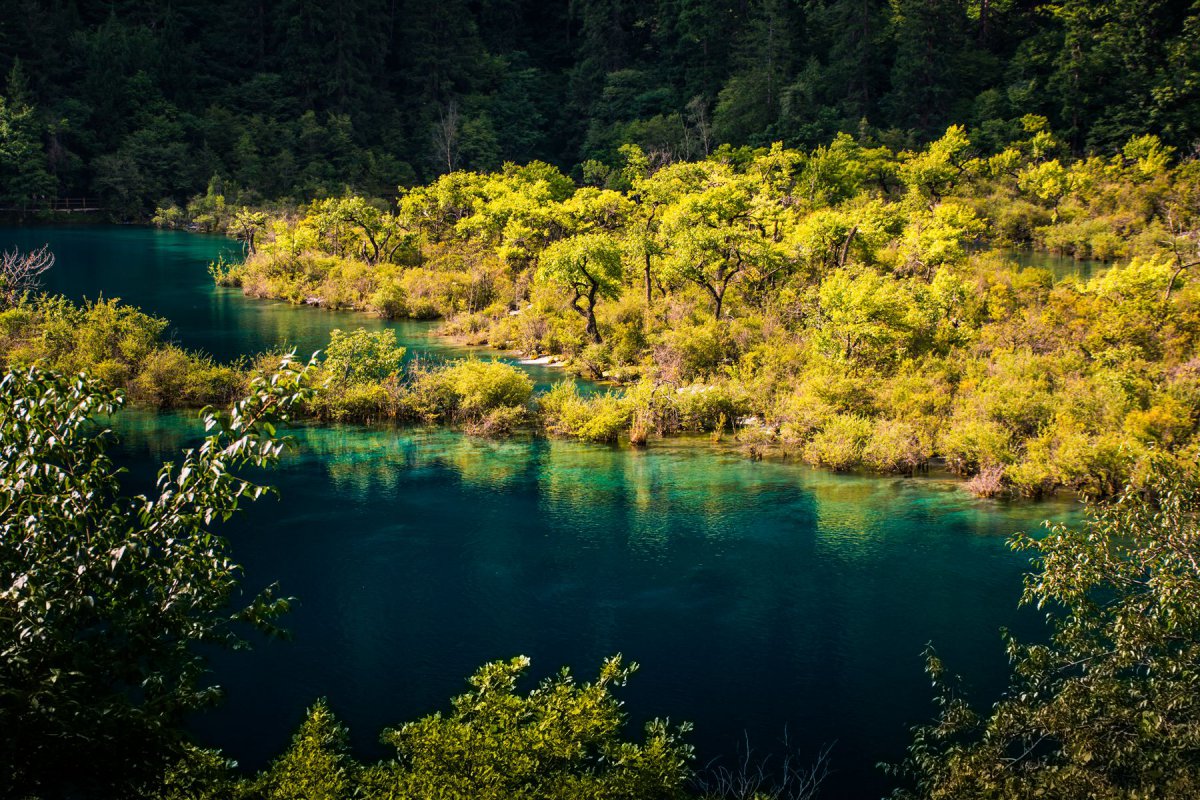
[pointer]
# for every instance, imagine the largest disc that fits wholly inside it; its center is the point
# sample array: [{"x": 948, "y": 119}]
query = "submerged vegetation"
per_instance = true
[{"x": 853, "y": 306}]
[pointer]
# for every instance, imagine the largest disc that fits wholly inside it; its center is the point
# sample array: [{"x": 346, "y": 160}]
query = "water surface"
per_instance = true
[
  {"x": 1061, "y": 266},
  {"x": 165, "y": 273},
  {"x": 758, "y": 597}
]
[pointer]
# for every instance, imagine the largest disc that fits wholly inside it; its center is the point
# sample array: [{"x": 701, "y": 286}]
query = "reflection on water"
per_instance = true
[
  {"x": 1061, "y": 266},
  {"x": 756, "y": 595}
]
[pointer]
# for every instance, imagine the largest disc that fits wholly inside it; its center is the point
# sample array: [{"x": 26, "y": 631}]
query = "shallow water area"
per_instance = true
[{"x": 1061, "y": 266}]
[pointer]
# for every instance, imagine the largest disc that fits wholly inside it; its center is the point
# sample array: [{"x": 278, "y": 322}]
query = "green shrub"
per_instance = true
[
  {"x": 362, "y": 402},
  {"x": 702, "y": 408},
  {"x": 163, "y": 380},
  {"x": 389, "y": 301},
  {"x": 895, "y": 446},
  {"x": 482, "y": 386},
  {"x": 317, "y": 766},
  {"x": 598, "y": 418},
  {"x": 969, "y": 443},
  {"x": 362, "y": 356},
  {"x": 840, "y": 442}
]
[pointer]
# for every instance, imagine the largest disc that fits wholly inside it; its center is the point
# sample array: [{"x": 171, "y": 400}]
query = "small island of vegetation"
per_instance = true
[{"x": 853, "y": 306}]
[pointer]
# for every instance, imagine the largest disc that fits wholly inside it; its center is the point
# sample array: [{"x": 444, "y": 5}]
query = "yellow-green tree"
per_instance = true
[{"x": 588, "y": 264}]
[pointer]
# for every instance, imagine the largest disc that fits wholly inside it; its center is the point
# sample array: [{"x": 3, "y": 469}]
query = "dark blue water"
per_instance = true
[{"x": 757, "y": 596}]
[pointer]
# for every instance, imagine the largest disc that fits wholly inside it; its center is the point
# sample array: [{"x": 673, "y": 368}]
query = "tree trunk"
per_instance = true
[
  {"x": 589, "y": 313},
  {"x": 846, "y": 247},
  {"x": 649, "y": 287},
  {"x": 592, "y": 330}
]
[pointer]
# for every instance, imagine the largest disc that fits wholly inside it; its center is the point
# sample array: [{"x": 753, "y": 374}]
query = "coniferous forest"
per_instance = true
[{"x": 143, "y": 102}]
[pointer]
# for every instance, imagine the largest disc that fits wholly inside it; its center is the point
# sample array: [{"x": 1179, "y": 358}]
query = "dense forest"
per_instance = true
[{"x": 140, "y": 103}]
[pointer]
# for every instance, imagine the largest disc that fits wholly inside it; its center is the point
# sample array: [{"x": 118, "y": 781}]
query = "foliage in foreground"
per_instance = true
[
  {"x": 1109, "y": 708},
  {"x": 560, "y": 740},
  {"x": 105, "y": 596}
]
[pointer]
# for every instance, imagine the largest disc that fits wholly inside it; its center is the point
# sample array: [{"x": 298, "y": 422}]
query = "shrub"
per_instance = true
[
  {"x": 598, "y": 418},
  {"x": 498, "y": 422},
  {"x": 702, "y": 408},
  {"x": 389, "y": 301},
  {"x": 894, "y": 446},
  {"x": 364, "y": 402},
  {"x": 362, "y": 356},
  {"x": 969, "y": 444},
  {"x": 163, "y": 381},
  {"x": 483, "y": 386},
  {"x": 989, "y": 482},
  {"x": 839, "y": 444}
]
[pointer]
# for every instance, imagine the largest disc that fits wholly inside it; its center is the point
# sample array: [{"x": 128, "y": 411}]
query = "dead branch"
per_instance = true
[{"x": 21, "y": 272}]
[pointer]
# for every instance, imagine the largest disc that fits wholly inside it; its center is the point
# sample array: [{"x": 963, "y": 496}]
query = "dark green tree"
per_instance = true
[
  {"x": 105, "y": 594},
  {"x": 1108, "y": 707},
  {"x": 23, "y": 174}
]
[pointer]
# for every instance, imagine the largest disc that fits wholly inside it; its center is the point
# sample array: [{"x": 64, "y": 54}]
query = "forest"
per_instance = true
[
  {"x": 137, "y": 104},
  {"x": 801, "y": 228}
]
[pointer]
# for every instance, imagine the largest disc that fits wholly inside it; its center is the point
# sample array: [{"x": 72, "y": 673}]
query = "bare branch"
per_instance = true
[
  {"x": 21, "y": 272},
  {"x": 755, "y": 778}
]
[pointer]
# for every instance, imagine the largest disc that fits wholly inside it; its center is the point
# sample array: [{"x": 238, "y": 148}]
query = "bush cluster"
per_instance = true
[
  {"x": 848, "y": 305},
  {"x": 118, "y": 345}
]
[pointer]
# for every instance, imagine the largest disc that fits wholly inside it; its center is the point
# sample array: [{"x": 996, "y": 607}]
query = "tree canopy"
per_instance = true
[{"x": 142, "y": 103}]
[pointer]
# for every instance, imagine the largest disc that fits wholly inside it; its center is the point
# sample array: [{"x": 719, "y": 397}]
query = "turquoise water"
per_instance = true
[
  {"x": 1061, "y": 266},
  {"x": 758, "y": 597},
  {"x": 165, "y": 273}
]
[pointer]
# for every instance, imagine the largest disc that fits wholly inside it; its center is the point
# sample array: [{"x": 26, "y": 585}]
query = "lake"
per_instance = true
[{"x": 759, "y": 597}]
